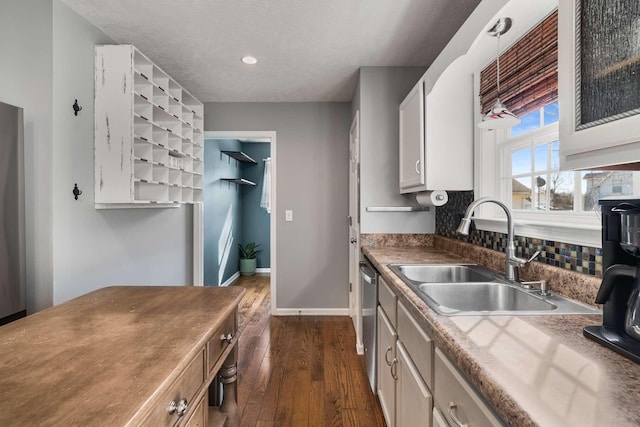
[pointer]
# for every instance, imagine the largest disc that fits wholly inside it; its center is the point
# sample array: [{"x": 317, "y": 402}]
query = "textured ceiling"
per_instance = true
[{"x": 308, "y": 50}]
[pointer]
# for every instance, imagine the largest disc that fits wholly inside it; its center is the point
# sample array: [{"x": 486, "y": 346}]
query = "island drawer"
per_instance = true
[
  {"x": 221, "y": 339},
  {"x": 185, "y": 387}
]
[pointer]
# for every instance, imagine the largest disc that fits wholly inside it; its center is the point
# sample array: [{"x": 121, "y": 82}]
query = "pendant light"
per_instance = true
[{"x": 499, "y": 116}]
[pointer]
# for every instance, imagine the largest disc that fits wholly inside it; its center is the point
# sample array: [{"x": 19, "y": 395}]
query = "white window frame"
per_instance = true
[{"x": 580, "y": 228}]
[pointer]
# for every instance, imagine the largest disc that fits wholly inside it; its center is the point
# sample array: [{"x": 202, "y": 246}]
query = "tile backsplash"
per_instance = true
[{"x": 582, "y": 259}]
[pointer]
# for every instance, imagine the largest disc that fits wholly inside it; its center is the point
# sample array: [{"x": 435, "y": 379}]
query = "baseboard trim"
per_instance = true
[
  {"x": 263, "y": 270},
  {"x": 359, "y": 349},
  {"x": 231, "y": 279},
  {"x": 312, "y": 312}
]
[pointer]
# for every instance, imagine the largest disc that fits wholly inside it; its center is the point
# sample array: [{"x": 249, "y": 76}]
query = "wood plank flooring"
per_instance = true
[{"x": 299, "y": 370}]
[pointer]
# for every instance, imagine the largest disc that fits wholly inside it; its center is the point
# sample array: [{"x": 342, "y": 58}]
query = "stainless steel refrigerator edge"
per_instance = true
[
  {"x": 369, "y": 281},
  {"x": 12, "y": 241}
]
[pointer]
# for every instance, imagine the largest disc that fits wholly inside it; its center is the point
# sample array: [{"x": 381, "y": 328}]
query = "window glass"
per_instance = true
[
  {"x": 551, "y": 114},
  {"x": 561, "y": 190},
  {"x": 521, "y": 193},
  {"x": 521, "y": 161},
  {"x": 541, "y": 156},
  {"x": 528, "y": 123},
  {"x": 555, "y": 155},
  {"x": 599, "y": 184}
]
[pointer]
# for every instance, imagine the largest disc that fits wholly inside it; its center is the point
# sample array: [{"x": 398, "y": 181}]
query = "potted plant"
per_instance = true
[{"x": 248, "y": 258}]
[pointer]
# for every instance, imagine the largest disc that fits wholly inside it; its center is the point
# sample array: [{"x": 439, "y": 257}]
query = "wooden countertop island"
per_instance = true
[{"x": 125, "y": 355}]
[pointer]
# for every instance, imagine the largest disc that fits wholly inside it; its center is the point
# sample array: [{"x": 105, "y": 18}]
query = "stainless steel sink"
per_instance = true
[
  {"x": 469, "y": 289},
  {"x": 443, "y": 273}
]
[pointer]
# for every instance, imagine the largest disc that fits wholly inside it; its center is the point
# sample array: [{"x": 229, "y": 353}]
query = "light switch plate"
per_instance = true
[{"x": 288, "y": 215}]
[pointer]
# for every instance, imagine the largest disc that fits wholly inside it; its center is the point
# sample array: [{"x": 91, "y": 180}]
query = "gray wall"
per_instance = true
[
  {"x": 222, "y": 212},
  {"x": 311, "y": 157},
  {"x": 379, "y": 94},
  {"x": 94, "y": 248},
  {"x": 255, "y": 220},
  {"x": 47, "y": 62},
  {"x": 25, "y": 81}
]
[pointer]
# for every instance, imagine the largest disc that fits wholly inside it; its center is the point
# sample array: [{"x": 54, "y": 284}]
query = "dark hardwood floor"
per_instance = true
[{"x": 299, "y": 370}]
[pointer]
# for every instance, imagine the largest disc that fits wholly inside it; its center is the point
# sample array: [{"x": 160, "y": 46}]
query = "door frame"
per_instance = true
[
  {"x": 355, "y": 294},
  {"x": 198, "y": 227}
]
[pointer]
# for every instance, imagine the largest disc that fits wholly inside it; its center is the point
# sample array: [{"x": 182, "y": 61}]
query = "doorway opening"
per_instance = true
[{"x": 239, "y": 207}]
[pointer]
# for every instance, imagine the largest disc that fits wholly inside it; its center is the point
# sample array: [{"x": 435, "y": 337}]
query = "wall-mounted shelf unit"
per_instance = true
[
  {"x": 239, "y": 156},
  {"x": 148, "y": 133}
]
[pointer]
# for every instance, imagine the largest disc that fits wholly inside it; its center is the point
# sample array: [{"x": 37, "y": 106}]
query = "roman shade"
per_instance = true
[{"x": 528, "y": 71}]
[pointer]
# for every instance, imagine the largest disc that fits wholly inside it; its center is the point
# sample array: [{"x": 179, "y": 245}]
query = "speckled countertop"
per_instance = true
[{"x": 534, "y": 370}]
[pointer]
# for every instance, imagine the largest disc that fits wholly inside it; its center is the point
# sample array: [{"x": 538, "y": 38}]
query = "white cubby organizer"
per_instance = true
[{"x": 148, "y": 133}]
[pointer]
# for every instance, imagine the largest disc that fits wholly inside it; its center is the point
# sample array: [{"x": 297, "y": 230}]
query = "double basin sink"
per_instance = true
[{"x": 469, "y": 289}]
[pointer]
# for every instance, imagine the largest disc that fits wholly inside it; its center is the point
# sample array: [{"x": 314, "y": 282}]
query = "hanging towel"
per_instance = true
[{"x": 265, "y": 202}]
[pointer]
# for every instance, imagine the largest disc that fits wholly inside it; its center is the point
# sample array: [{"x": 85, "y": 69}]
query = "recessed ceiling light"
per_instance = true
[{"x": 249, "y": 60}]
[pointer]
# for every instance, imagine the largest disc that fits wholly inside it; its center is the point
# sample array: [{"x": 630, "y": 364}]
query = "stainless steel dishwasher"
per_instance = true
[{"x": 369, "y": 281}]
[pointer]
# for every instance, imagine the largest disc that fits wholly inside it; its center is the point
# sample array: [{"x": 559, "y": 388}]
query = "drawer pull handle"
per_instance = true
[
  {"x": 226, "y": 338},
  {"x": 393, "y": 365},
  {"x": 179, "y": 408},
  {"x": 386, "y": 356},
  {"x": 418, "y": 167},
  {"x": 453, "y": 408}
]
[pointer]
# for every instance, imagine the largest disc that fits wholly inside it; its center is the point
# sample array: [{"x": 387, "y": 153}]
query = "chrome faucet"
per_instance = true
[{"x": 512, "y": 262}]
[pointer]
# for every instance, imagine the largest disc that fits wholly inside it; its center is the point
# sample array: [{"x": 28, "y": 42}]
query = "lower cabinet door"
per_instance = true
[
  {"x": 386, "y": 368},
  {"x": 438, "y": 419},
  {"x": 414, "y": 402}
]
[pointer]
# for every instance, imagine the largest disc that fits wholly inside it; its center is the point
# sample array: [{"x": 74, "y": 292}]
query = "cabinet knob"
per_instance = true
[
  {"x": 226, "y": 338},
  {"x": 179, "y": 408}
]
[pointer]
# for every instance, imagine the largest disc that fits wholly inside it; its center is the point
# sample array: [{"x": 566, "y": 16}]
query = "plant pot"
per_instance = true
[{"x": 247, "y": 266}]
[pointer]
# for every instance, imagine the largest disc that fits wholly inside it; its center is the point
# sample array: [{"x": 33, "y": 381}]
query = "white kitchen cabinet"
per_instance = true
[
  {"x": 412, "y": 139},
  {"x": 589, "y": 143},
  {"x": 414, "y": 402},
  {"x": 436, "y": 133},
  {"x": 148, "y": 133},
  {"x": 457, "y": 400},
  {"x": 386, "y": 354},
  {"x": 403, "y": 392}
]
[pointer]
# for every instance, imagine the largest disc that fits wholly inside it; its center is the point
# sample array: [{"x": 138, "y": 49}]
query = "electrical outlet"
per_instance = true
[{"x": 288, "y": 215}]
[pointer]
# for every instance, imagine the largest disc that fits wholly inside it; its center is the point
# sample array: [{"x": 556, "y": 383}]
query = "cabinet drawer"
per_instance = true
[
  {"x": 217, "y": 344},
  {"x": 388, "y": 301},
  {"x": 185, "y": 387},
  {"x": 453, "y": 389},
  {"x": 418, "y": 344}
]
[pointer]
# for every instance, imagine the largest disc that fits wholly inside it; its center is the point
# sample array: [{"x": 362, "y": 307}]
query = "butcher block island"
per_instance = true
[{"x": 124, "y": 356}]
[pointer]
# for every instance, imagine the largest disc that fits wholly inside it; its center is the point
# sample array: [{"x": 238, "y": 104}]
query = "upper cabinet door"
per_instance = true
[
  {"x": 412, "y": 139},
  {"x": 598, "y": 65}
]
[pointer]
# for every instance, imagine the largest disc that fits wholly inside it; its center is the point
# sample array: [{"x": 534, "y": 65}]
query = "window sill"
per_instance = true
[{"x": 578, "y": 234}]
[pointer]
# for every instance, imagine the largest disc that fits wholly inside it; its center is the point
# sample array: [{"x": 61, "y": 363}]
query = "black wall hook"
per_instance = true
[
  {"x": 76, "y": 108},
  {"x": 76, "y": 191}
]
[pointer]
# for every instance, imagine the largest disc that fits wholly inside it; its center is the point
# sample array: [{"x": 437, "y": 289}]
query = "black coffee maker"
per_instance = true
[{"x": 618, "y": 294}]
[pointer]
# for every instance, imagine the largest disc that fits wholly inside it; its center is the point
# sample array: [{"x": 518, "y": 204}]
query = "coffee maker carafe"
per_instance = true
[{"x": 620, "y": 288}]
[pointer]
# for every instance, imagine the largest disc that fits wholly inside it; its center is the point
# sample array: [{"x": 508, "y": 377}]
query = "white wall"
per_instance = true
[
  {"x": 312, "y": 162},
  {"x": 381, "y": 90},
  {"x": 25, "y": 81},
  {"x": 94, "y": 248}
]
